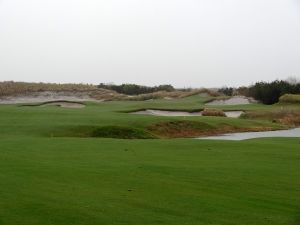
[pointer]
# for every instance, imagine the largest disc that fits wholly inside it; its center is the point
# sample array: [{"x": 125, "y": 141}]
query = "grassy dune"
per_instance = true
[
  {"x": 288, "y": 98},
  {"x": 51, "y": 175}
]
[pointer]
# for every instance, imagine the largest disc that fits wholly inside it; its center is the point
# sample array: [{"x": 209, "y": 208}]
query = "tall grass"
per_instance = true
[{"x": 289, "y": 98}]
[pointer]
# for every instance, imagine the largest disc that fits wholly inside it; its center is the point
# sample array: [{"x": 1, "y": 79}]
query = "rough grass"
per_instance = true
[
  {"x": 181, "y": 128},
  {"x": 289, "y": 117},
  {"x": 169, "y": 95},
  {"x": 213, "y": 112},
  {"x": 289, "y": 98}
]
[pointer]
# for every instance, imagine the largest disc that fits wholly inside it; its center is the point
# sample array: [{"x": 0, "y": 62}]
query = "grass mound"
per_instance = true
[
  {"x": 121, "y": 133},
  {"x": 213, "y": 112},
  {"x": 289, "y": 98},
  {"x": 118, "y": 132},
  {"x": 179, "y": 128}
]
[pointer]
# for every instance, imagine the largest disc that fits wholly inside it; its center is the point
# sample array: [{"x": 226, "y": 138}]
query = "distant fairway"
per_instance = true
[{"x": 54, "y": 173}]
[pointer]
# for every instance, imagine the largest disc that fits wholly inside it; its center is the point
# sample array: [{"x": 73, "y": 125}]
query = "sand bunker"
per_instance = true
[
  {"x": 72, "y": 105},
  {"x": 63, "y": 104},
  {"x": 236, "y": 100},
  {"x": 166, "y": 113},
  {"x": 232, "y": 114},
  {"x": 46, "y": 96}
]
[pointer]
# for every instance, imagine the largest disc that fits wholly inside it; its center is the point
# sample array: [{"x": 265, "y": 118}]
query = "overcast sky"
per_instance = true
[{"x": 182, "y": 42}]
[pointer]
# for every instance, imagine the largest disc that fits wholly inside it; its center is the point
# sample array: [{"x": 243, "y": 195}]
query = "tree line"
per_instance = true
[
  {"x": 134, "y": 89},
  {"x": 265, "y": 92}
]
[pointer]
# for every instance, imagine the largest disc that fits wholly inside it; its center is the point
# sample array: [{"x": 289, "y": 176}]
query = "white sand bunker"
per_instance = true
[
  {"x": 63, "y": 104},
  {"x": 46, "y": 96},
  {"x": 72, "y": 105},
  {"x": 153, "y": 112},
  {"x": 236, "y": 100}
]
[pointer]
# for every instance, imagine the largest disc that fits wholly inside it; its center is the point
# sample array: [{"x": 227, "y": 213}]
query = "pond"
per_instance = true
[{"x": 250, "y": 135}]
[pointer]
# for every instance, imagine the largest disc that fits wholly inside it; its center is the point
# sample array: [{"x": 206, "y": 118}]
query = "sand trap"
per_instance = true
[
  {"x": 236, "y": 100},
  {"x": 47, "y": 96},
  {"x": 232, "y": 114},
  {"x": 166, "y": 113},
  {"x": 63, "y": 104},
  {"x": 72, "y": 105}
]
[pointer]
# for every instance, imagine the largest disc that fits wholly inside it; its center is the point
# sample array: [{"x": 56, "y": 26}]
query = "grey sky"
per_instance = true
[{"x": 182, "y": 42}]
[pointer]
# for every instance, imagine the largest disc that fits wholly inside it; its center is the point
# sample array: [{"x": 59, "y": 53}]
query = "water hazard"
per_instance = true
[{"x": 250, "y": 135}]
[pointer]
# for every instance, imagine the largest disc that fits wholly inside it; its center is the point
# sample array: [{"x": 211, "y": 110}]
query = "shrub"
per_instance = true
[
  {"x": 289, "y": 98},
  {"x": 226, "y": 91},
  {"x": 134, "y": 89},
  {"x": 269, "y": 93},
  {"x": 213, "y": 112},
  {"x": 284, "y": 116}
]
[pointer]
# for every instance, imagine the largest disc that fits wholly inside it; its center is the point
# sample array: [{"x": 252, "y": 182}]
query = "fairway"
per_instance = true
[
  {"x": 149, "y": 112},
  {"x": 88, "y": 181},
  {"x": 53, "y": 173}
]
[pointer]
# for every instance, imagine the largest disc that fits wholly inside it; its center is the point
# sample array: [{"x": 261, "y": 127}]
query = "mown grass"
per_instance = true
[
  {"x": 60, "y": 181},
  {"x": 62, "y": 122},
  {"x": 54, "y": 172}
]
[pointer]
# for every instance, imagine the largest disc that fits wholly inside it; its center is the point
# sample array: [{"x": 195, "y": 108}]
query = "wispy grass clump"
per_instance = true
[
  {"x": 213, "y": 112},
  {"x": 285, "y": 116},
  {"x": 289, "y": 98}
]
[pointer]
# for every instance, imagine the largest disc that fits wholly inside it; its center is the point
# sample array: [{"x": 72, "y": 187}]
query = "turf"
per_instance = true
[
  {"x": 50, "y": 180},
  {"x": 97, "y": 181}
]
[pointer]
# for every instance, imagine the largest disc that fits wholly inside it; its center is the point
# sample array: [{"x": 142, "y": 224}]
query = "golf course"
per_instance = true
[{"x": 103, "y": 164}]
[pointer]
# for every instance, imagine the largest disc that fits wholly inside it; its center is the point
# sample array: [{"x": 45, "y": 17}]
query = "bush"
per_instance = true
[
  {"x": 269, "y": 93},
  {"x": 226, "y": 91},
  {"x": 134, "y": 89},
  {"x": 289, "y": 98},
  {"x": 213, "y": 112}
]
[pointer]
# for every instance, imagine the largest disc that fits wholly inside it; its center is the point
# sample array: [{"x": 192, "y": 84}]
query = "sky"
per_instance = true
[{"x": 186, "y": 43}]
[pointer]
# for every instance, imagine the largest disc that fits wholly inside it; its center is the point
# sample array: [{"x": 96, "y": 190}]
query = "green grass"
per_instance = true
[
  {"x": 54, "y": 121},
  {"x": 97, "y": 181},
  {"x": 74, "y": 179}
]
